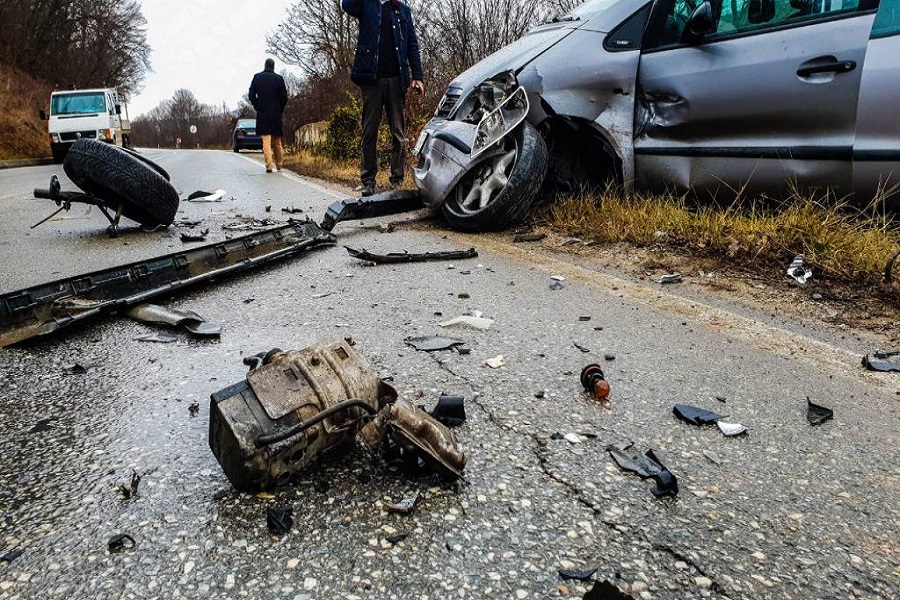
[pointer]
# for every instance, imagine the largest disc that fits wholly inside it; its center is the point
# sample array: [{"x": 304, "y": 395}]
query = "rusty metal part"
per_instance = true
[
  {"x": 377, "y": 205},
  {"x": 593, "y": 381},
  {"x": 300, "y": 404},
  {"x": 418, "y": 433},
  {"x": 407, "y": 257},
  {"x": 49, "y": 307}
]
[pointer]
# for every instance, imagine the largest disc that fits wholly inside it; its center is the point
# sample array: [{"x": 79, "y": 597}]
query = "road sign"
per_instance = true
[{"x": 193, "y": 129}]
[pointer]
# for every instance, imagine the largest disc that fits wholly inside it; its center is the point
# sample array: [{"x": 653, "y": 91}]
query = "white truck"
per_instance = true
[{"x": 99, "y": 114}]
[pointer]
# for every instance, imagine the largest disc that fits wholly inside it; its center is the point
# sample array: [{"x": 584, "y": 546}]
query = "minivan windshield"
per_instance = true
[{"x": 78, "y": 104}]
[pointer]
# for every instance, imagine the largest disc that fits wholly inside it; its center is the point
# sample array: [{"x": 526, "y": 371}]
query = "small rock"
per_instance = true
[
  {"x": 188, "y": 567},
  {"x": 573, "y": 438},
  {"x": 638, "y": 586},
  {"x": 703, "y": 582},
  {"x": 293, "y": 563},
  {"x": 310, "y": 583},
  {"x": 681, "y": 565},
  {"x": 758, "y": 556}
]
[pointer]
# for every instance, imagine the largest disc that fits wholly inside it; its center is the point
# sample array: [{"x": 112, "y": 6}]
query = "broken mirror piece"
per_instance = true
[
  {"x": 159, "y": 337},
  {"x": 404, "y": 506},
  {"x": 450, "y": 410},
  {"x": 411, "y": 257},
  {"x": 431, "y": 343},
  {"x": 604, "y": 590},
  {"x": 475, "y": 322},
  {"x": 816, "y": 414},
  {"x": 798, "y": 269},
  {"x": 577, "y": 574},
  {"x": 646, "y": 466},
  {"x": 872, "y": 362},
  {"x": 279, "y": 520},
  {"x": 119, "y": 542},
  {"x": 694, "y": 415},
  {"x": 671, "y": 278},
  {"x": 731, "y": 429},
  {"x": 187, "y": 319}
]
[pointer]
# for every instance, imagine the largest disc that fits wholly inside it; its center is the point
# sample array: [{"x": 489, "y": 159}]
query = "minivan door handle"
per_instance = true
[{"x": 843, "y": 66}]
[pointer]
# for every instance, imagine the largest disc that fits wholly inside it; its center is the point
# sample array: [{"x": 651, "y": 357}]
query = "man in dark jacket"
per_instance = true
[
  {"x": 268, "y": 95},
  {"x": 386, "y": 50}
]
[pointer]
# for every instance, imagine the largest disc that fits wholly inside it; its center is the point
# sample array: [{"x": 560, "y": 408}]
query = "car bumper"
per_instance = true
[{"x": 444, "y": 156}]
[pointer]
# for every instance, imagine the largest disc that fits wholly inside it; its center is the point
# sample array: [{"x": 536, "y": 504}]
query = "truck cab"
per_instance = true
[{"x": 99, "y": 114}]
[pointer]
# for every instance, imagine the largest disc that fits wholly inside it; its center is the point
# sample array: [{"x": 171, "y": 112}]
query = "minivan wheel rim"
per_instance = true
[{"x": 486, "y": 181}]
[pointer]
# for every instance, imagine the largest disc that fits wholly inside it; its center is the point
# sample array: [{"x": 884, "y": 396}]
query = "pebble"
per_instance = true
[
  {"x": 758, "y": 556},
  {"x": 521, "y": 594},
  {"x": 292, "y": 564},
  {"x": 573, "y": 438},
  {"x": 638, "y": 586},
  {"x": 310, "y": 583},
  {"x": 229, "y": 581},
  {"x": 681, "y": 565},
  {"x": 188, "y": 567},
  {"x": 703, "y": 582}
]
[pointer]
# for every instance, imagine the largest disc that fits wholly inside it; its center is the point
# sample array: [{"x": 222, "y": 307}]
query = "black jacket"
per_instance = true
[
  {"x": 268, "y": 95},
  {"x": 365, "y": 63}
]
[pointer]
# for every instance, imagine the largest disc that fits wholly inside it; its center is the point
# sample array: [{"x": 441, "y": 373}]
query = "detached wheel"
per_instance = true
[
  {"x": 498, "y": 191},
  {"x": 119, "y": 178}
]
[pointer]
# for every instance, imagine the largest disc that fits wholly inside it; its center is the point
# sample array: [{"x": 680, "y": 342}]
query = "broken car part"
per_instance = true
[
  {"x": 195, "y": 237},
  {"x": 285, "y": 413},
  {"x": 481, "y": 323},
  {"x": 816, "y": 414},
  {"x": 450, "y": 410},
  {"x": 731, "y": 429},
  {"x": 885, "y": 366},
  {"x": 49, "y": 307},
  {"x": 119, "y": 542},
  {"x": 187, "y": 319},
  {"x": 377, "y": 205},
  {"x": 593, "y": 381},
  {"x": 404, "y": 506},
  {"x": 11, "y": 555},
  {"x": 407, "y": 257},
  {"x": 577, "y": 574},
  {"x": 201, "y": 196},
  {"x": 433, "y": 342},
  {"x": 279, "y": 520},
  {"x": 798, "y": 269},
  {"x": 418, "y": 435},
  {"x": 647, "y": 466},
  {"x": 671, "y": 278},
  {"x": 694, "y": 415}
]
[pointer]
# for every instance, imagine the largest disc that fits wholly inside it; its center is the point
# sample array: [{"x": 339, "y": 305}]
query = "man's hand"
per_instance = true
[{"x": 418, "y": 86}]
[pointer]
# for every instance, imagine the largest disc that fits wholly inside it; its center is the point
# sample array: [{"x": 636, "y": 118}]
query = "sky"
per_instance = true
[{"x": 211, "y": 47}]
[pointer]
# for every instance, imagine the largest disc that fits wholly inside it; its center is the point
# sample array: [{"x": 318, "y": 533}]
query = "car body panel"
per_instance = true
[{"x": 444, "y": 158}]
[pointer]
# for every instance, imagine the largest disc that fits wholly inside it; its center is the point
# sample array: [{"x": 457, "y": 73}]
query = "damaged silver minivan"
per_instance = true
[{"x": 713, "y": 96}]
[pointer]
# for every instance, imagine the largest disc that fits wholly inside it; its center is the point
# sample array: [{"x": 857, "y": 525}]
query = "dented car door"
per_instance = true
[{"x": 750, "y": 95}]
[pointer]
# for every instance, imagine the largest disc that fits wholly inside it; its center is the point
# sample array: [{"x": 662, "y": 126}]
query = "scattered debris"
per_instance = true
[
  {"x": 463, "y": 351},
  {"x": 593, "y": 380},
  {"x": 572, "y": 438},
  {"x": 450, "y": 410},
  {"x": 463, "y": 296},
  {"x": 580, "y": 347},
  {"x": 474, "y": 322},
  {"x": 42, "y": 425},
  {"x": 731, "y": 429},
  {"x": 604, "y": 590},
  {"x": 279, "y": 520},
  {"x": 721, "y": 399},
  {"x": 201, "y": 196},
  {"x": 291, "y": 210},
  {"x": 187, "y": 319},
  {"x": 647, "y": 466},
  {"x": 378, "y": 205},
  {"x": 408, "y": 257},
  {"x": 609, "y": 357},
  {"x": 528, "y": 237},
  {"x": 557, "y": 436},
  {"x": 431, "y": 343},
  {"x": 872, "y": 363},
  {"x": 195, "y": 237},
  {"x": 495, "y": 362},
  {"x": 194, "y": 408},
  {"x": 11, "y": 555},
  {"x": 75, "y": 369},
  {"x": 131, "y": 489},
  {"x": 816, "y": 414},
  {"x": 712, "y": 457},
  {"x": 557, "y": 278},
  {"x": 556, "y": 285},
  {"x": 577, "y": 574},
  {"x": 671, "y": 278},
  {"x": 404, "y": 506},
  {"x": 396, "y": 538},
  {"x": 119, "y": 542},
  {"x": 251, "y": 224},
  {"x": 798, "y": 269},
  {"x": 585, "y": 318},
  {"x": 540, "y": 394},
  {"x": 160, "y": 337},
  {"x": 188, "y": 224},
  {"x": 694, "y": 415}
]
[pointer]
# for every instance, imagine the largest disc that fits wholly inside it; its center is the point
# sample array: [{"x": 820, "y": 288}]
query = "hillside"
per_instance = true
[{"x": 22, "y": 133}]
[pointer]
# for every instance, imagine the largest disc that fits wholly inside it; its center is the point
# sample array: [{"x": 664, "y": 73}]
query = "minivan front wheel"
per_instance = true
[{"x": 498, "y": 191}]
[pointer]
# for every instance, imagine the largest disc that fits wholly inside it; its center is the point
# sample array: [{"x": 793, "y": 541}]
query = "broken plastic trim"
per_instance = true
[
  {"x": 407, "y": 257},
  {"x": 647, "y": 466},
  {"x": 884, "y": 366},
  {"x": 49, "y": 307},
  {"x": 377, "y": 205}
]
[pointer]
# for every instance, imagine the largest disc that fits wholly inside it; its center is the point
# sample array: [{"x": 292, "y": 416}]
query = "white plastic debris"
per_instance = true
[
  {"x": 671, "y": 278},
  {"x": 557, "y": 278},
  {"x": 798, "y": 269},
  {"x": 496, "y": 362},
  {"x": 731, "y": 429},
  {"x": 216, "y": 196},
  {"x": 573, "y": 438},
  {"x": 474, "y": 322}
]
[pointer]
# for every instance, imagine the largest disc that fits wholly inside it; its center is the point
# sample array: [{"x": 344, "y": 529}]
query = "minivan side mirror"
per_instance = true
[
  {"x": 760, "y": 11},
  {"x": 43, "y": 115},
  {"x": 700, "y": 23},
  {"x": 118, "y": 109}
]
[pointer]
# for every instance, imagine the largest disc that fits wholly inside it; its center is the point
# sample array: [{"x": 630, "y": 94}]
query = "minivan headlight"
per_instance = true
[{"x": 500, "y": 121}]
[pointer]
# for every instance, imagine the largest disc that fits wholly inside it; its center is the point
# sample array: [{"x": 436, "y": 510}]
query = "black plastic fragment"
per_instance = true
[
  {"x": 75, "y": 369},
  {"x": 120, "y": 541},
  {"x": 195, "y": 237},
  {"x": 433, "y": 342},
  {"x": 604, "y": 590},
  {"x": 646, "y": 466},
  {"x": 279, "y": 520},
  {"x": 817, "y": 414},
  {"x": 450, "y": 410},
  {"x": 11, "y": 555},
  {"x": 696, "y": 416},
  {"x": 42, "y": 425},
  {"x": 557, "y": 436},
  {"x": 408, "y": 257},
  {"x": 883, "y": 366},
  {"x": 396, "y": 538},
  {"x": 577, "y": 574}
]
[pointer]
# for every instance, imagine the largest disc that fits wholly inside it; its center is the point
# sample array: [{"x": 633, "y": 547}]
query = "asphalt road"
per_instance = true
[{"x": 787, "y": 511}]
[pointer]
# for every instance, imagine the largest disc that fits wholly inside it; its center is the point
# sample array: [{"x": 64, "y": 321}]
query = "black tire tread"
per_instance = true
[{"x": 115, "y": 176}]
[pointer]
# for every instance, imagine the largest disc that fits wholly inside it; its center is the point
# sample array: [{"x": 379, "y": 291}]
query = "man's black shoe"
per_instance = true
[{"x": 368, "y": 190}]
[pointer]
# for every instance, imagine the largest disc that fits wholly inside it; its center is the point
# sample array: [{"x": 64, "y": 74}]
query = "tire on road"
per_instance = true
[
  {"x": 119, "y": 178},
  {"x": 510, "y": 179}
]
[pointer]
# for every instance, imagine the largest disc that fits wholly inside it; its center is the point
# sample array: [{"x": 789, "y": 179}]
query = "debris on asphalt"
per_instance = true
[
  {"x": 695, "y": 415},
  {"x": 798, "y": 269},
  {"x": 495, "y": 362},
  {"x": 712, "y": 457},
  {"x": 584, "y": 349},
  {"x": 609, "y": 357},
  {"x": 410, "y": 257},
  {"x": 378, "y": 205},
  {"x": 250, "y": 224},
  {"x": 472, "y": 321},
  {"x": 556, "y": 436},
  {"x": 584, "y": 318},
  {"x": 450, "y": 410},
  {"x": 556, "y": 285},
  {"x": 572, "y": 438},
  {"x": 430, "y": 343},
  {"x": 131, "y": 490},
  {"x": 195, "y": 237},
  {"x": 42, "y": 425},
  {"x": 463, "y": 351},
  {"x": 279, "y": 520},
  {"x": 119, "y": 542},
  {"x": 593, "y": 380},
  {"x": 731, "y": 429},
  {"x": 201, "y": 196},
  {"x": 721, "y": 399},
  {"x": 404, "y": 506},
  {"x": 816, "y": 414},
  {"x": 188, "y": 224},
  {"x": 75, "y": 369},
  {"x": 646, "y": 466},
  {"x": 291, "y": 210},
  {"x": 194, "y": 409},
  {"x": 160, "y": 337},
  {"x": 877, "y": 362},
  {"x": 11, "y": 555},
  {"x": 540, "y": 394},
  {"x": 396, "y": 538},
  {"x": 671, "y": 278},
  {"x": 528, "y": 237},
  {"x": 577, "y": 574},
  {"x": 255, "y": 361},
  {"x": 186, "y": 319},
  {"x": 604, "y": 590}
]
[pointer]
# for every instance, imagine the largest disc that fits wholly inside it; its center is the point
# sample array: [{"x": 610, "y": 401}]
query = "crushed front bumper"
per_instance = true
[{"x": 444, "y": 155}]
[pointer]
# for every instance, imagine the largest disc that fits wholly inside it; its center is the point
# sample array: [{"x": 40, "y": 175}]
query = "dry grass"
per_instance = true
[
  {"x": 844, "y": 243},
  {"x": 306, "y": 163},
  {"x": 22, "y": 133}
]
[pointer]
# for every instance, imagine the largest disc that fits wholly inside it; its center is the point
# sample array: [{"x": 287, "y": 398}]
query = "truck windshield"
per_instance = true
[{"x": 78, "y": 104}]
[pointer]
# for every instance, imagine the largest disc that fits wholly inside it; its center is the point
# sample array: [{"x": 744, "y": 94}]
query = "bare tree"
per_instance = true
[{"x": 317, "y": 36}]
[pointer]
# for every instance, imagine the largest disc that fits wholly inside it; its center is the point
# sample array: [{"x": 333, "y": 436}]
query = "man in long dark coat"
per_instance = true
[{"x": 268, "y": 95}]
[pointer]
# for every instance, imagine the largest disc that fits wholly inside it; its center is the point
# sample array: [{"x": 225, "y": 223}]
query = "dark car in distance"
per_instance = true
[{"x": 244, "y": 136}]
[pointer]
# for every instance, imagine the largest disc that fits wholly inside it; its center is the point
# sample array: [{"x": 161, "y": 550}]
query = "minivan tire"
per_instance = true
[
  {"x": 511, "y": 203},
  {"x": 117, "y": 177}
]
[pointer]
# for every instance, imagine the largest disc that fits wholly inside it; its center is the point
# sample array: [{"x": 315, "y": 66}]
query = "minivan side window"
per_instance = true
[
  {"x": 887, "y": 22},
  {"x": 749, "y": 16}
]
